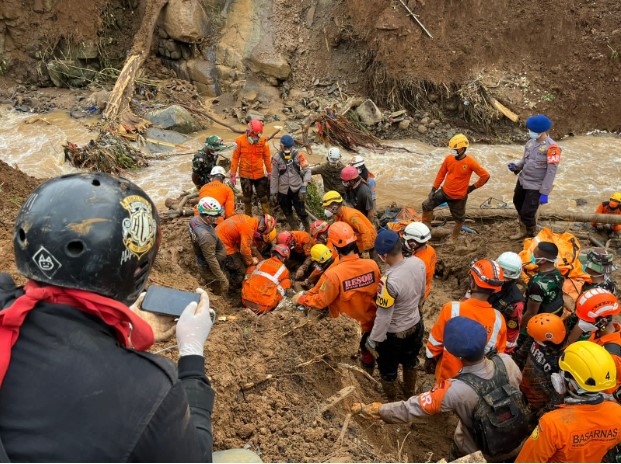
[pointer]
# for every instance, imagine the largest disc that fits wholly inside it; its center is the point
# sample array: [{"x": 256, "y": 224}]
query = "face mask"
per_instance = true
[
  {"x": 346, "y": 184},
  {"x": 613, "y": 204},
  {"x": 258, "y": 235},
  {"x": 558, "y": 383},
  {"x": 382, "y": 258},
  {"x": 454, "y": 153},
  {"x": 533, "y": 260},
  {"x": 586, "y": 326},
  {"x": 252, "y": 140},
  {"x": 533, "y": 135},
  {"x": 328, "y": 213}
]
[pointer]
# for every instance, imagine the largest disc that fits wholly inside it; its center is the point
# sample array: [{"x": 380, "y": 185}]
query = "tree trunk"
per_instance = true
[
  {"x": 121, "y": 95},
  {"x": 510, "y": 213}
]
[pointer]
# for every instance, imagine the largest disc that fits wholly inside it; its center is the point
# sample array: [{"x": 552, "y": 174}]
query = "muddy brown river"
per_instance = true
[{"x": 589, "y": 167}]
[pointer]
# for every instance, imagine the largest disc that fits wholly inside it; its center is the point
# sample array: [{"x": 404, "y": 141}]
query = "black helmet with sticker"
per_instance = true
[{"x": 92, "y": 232}]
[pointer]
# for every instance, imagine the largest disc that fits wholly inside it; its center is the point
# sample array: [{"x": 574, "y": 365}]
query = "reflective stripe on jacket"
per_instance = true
[{"x": 264, "y": 285}]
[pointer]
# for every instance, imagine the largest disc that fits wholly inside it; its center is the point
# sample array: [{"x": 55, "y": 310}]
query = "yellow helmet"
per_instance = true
[
  {"x": 616, "y": 197},
  {"x": 591, "y": 366},
  {"x": 269, "y": 238},
  {"x": 458, "y": 141},
  {"x": 320, "y": 253},
  {"x": 331, "y": 197}
]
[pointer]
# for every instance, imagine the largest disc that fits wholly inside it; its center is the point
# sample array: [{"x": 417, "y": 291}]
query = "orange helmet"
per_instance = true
[
  {"x": 546, "y": 327},
  {"x": 286, "y": 238},
  {"x": 487, "y": 274},
  {"x": 318, "y": 227},
  {"x": 268, "y": 222},
  {"x": 281, "y": 250},
  {"x": 255, "y": 128},
  {"x": 596, "y": 303},
  {"x": 341, "y": 234}
]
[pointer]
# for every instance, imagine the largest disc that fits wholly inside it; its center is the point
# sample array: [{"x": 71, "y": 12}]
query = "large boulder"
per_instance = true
[
  {"x": 174, "y": 118},
  {"x": 169, "y": 138},
  {"x": 68, "y": 73},
  {"x": 266, "y": 60},
  {"x": 201, "y": 73},
  {"x": 369, "y": 113},
  {"x": 185, "y": 21}
]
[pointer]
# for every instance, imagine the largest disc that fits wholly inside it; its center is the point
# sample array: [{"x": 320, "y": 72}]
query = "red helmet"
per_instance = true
[
  {"x": 341, "y": 234},
  {"x": 349, "y": 173},
  {"x": 268, "y": 222},
  {"x": 596, "y": 303},
  {"x": 318, "y": 227},
  {"x": 281, "y": 250},
  {"x": 487, "y": 274},
  {"x": 255, "y": 128},
  {"x": 286, "y": 238}
]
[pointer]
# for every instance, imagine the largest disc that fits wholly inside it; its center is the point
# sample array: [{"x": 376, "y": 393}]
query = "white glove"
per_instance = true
[{"x": 194, "y": 326}]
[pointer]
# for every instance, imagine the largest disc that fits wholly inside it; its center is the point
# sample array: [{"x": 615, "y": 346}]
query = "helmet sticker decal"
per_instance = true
[
  {"x": 46, "y": 261},
  {"x": 139, "y": 228}
]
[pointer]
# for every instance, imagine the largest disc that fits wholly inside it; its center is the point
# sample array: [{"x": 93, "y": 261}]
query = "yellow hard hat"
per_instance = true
[
  {"x": 591, "y": 366},
  {"x": 331, "y": 197},
  {"x": 320, "y": 253},
  {"x": 269, "y": 238},
  {"x": 458, "y": 141},
  {"x": 616, "y": 197}
]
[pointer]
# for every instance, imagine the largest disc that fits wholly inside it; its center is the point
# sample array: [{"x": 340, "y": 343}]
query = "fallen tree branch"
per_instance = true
[
  {"x": 336, "y": 399},
  {"x": 311, "y": 361},
  {"x": 509, "y": 213},
  {"x": 357, "y": 369},
  {"x": 339, "y": 440},
  {"x": 416, "y": 19},
  {"x": 205, "y": 113},
  {"x": 294, "y": 329},
  {"x": 249, "y": 385}
]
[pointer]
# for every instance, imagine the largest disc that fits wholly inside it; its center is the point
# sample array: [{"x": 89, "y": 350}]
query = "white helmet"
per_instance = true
[
  {"x": 209, "y": 206},
  {"x": 416, "y": 231},
  {"x": 218, "y": 171},
  {"x": 334, "y": 155},
  {"x": 511, "y": 264},
  {"x": 357, "y": 161}
]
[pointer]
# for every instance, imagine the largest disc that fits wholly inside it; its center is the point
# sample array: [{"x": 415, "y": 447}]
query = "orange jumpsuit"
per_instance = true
[
  {"x": 320, "y": 276},
  {"x": 237, "y": 233},
  {"x": 365, "y": 232},
  {"x": 603, "y": 208},
  {"x": 223, "y": 193},
  {"x": 480, "y": 311},
  {"x": 303, "y": 242},
  {"x": 428, "y": 255},
  {"x": 574, "y": 433},
  {"x": 349, "y": 287},
  {"x": 264, "y": 285},
  {"x": 251, "y": 159},
  {"x": 612, "y": 338},
  {"x": 316, "y": 274},
  {"x": 456, "y": 176}
]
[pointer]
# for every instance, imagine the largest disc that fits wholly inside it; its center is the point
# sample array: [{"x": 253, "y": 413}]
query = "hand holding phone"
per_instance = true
[{"x": 195, "y": 325}]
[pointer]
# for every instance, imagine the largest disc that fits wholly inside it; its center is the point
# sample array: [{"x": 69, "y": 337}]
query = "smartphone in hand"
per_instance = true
[{"x": 167, "y": 301}]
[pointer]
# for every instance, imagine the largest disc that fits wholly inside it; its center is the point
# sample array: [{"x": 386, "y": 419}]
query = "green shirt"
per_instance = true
[{"x": 546, "y": 288}]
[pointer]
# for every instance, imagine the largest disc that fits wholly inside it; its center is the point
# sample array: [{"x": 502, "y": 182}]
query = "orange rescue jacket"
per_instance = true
[
  {"x": 237, "y": 233},
  {"x": 252, "y": 159},
  {"x": 456, "y": 176},
  {"x": 574, "y": 433},
  {"x": 264, "y": 285},
  {"x": 349, "y": 287},
  {"x": 365, "y": 232},
  {"x": 611, "y": 339},
  {"x": 303, "y": 242},
  {"x": 428, "y": 255},
  {"x": 221, "y": 192},
  {"x": 477, "y": 310}
]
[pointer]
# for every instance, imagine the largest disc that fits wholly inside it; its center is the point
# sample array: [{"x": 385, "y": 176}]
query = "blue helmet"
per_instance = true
[
  {"x": 287, "y": 141},
  {"x": 465, "y": 338},
  {"x": 539, "y": 123}
]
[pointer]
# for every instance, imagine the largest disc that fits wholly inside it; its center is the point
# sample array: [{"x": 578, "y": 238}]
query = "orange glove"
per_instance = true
[{"x": 368, "y": 411}]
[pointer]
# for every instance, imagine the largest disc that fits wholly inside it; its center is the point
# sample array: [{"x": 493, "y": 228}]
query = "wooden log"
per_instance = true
[
  {"x": 510, "y": 213},
  {"x": 336, "y": 399},
  {"x": 123, "y": 91},
  {"x": 503, "y": 109}
]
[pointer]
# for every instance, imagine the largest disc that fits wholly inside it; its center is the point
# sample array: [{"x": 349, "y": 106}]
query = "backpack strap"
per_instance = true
[{"x": 484, "y": 386}]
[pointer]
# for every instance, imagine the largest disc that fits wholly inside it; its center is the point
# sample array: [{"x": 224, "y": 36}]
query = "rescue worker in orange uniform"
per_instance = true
[
  {"x": 595, "y": 309},
  {"x": 548, "y": 334},
  {"x": 252, "y": 157},
  {"x": 265, "y": 284},
  {"x": 319, "y": 233},
  {"x": 466, "y": 339},
  {"x": 322, "y": 260},
  {"x": 452, "y": 183},
  {"x": 416, "y": 236},
  {"x": 486, "y": 277},
  {"x": 612, "y": 206},
  {"x": 364, "y": 230},
  {"x": 349, "y": 287},
  {"x": 587, "y": 425},
  {"x": 218, "y": 190},
  {"x": 237, "y": 234},
  {"x": 300, "y": 244}
]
